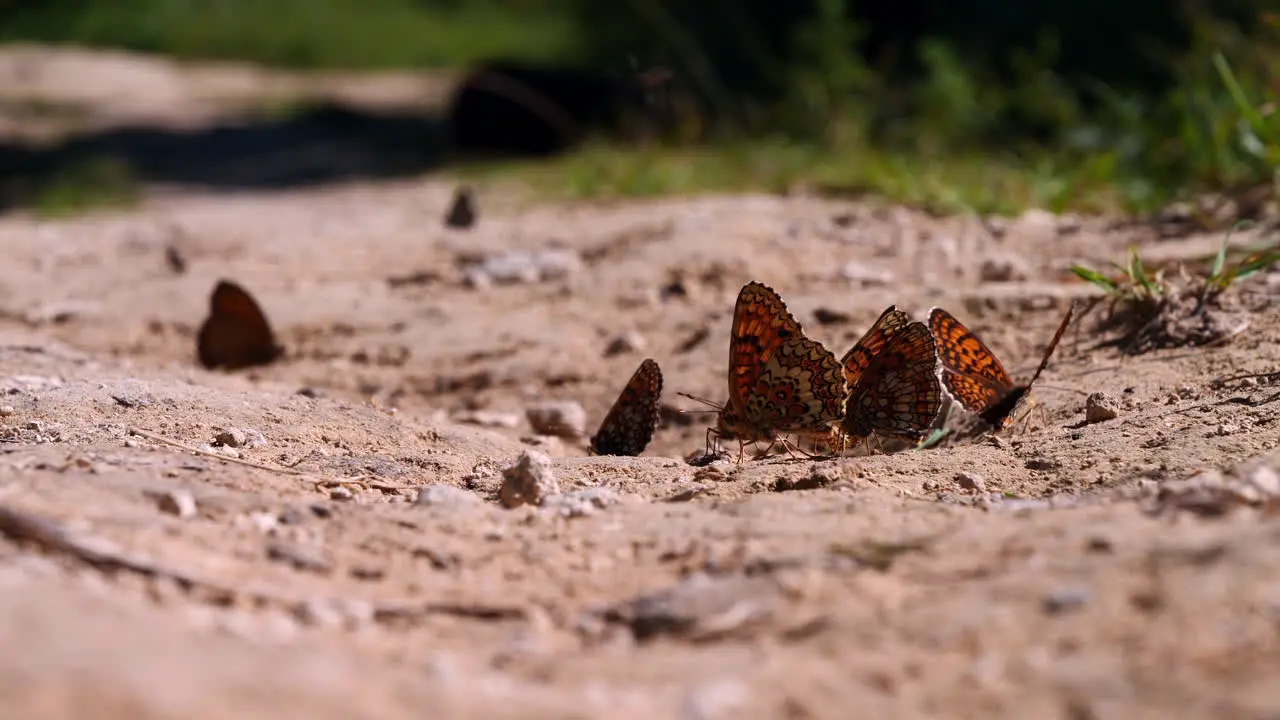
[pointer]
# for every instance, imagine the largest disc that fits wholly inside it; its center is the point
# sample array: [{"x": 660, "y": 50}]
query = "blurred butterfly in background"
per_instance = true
[
  {"x": 236, "y": 333},
  {"x": 462, "y": 213}
]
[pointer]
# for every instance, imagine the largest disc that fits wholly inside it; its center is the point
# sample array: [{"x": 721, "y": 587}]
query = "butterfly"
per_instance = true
[
  {"x": 236, "y": 333},
  {"x": 974, "y": 376},
  {"x": 462, "y": 213},
  {"x": 895, "y": 390},
  {"x": 629, "y": 426},
  {"x": 779, "y": 380},
  {"x": 855, "y": 361}
]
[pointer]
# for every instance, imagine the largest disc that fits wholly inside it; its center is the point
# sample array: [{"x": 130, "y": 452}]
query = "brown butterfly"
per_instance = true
[
  {"x": 780, "y": 381},
  {"x": 896, "y": 392},
  {"x": 236, "y": 333},
  {"x": 974, "y": 376},
  {"x": 629, "y": 426},
  {"x": 462, "y": 213}
]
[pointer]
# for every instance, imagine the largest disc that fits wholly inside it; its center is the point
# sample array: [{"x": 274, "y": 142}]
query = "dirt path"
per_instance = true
[{"x": 1058, "y": 588}]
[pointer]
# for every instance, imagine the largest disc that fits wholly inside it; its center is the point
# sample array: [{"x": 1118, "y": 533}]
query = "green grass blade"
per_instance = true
[
  {"x": 1255, "y": 263},
  {"x": 1139, "y": 274},
  {"x": 1246, "y": 108},
  {"x": 933, "y": 439},
  {"x": 1096, "y": 278}
]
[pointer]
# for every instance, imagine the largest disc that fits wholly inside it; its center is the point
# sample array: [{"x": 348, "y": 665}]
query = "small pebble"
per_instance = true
[
  {"x": 439, "y": 495},
  {"x": 254, "y": 439},
  {"x": 971, "y": 481},
  {"x": 485, "y": 418},
  {"x": 341, "y": 493},
  {"x": 857, "y": 273},
  {"x": 1003, "y": 268},
  {"x": 564, "y": 419},
  {"x": 628, "y": 342},
  {"x": 581, "y": 503},
  {"x": 523, "y": 266},
  {"x": 301, "y": 557},
  {"x": 1265, "y": 481},
  {"x": 1034, "y": 225},
  {"x": 230, "y": 437},
  {"x": 1066, "y": 599},
  {"x": 528, "y": 481},
  {"x": 1100, "y": 408},
  {"x": 177, "y": 502},
  {"x": 6, "y": 410},
  {"x": 263, "y": 521}
]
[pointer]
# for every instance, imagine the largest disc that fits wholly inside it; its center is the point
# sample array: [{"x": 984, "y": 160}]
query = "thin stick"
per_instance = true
[
  {"x": 361, "y": 480},
  {"x": 175, "y": 444}
]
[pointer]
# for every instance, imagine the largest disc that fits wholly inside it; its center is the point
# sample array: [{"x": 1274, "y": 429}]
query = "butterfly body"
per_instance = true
[
  {"x": 780, "y": 381},
  {"x": 236, "y": 334},
  {"x": 628, "y": 427}
]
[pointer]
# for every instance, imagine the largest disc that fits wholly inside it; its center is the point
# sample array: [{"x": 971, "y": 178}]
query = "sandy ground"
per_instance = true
[{"x": 1078, "y": 581}]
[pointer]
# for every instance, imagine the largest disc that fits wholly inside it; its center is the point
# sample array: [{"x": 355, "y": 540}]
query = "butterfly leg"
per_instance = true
[{"x": 810, "y": 455}]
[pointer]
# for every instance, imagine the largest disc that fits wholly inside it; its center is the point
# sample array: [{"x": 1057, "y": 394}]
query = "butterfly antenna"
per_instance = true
[
  {"x": 1053, "y": 344},
  {"x": 1062, "y": 389},
  {"x": 716, "y": 407}
]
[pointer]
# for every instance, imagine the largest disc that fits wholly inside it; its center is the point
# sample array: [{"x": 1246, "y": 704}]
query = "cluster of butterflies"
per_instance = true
[
  {"x": 890, "y": 384},
  {"x": 781, "y": 382}
]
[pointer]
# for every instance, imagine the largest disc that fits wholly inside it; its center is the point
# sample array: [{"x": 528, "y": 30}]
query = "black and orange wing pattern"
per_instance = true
[
  {"x": 629, "y": 425},
  {"x": 855, "y": 361},
  {"x": 779, "y": 379},
  {"x": 236, "y": 334},
  {"x": 971, "y": 372},
  {"x": 898, "y": 394}
]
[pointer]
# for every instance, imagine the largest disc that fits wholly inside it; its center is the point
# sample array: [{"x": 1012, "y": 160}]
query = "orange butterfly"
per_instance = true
[
  {"x": 855, "y": 361},
  {"x": 236, "y": 333},
  {"x": 894, "y": 389},
  {"x": 974, "y": 376},
  {"x": 629, "y": 426},
  {"x": 779, "y": 380}
]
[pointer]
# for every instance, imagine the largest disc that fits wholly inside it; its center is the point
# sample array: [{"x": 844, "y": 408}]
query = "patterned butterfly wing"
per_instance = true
[
  {"x": 1002, "y": 413},
  {"x": 629, "y": 425},
  {"x": 801, "y": 390},
  {"x": 236, "y": 333},
  {"x": 971, "y": 372},
  {"x": 855, "y": 361},
  {"x": 761, "y": 326},
  {"x": 898, "y": 394}
]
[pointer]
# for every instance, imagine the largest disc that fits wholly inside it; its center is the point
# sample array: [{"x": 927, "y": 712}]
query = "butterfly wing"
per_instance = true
[
  {"x": 801, "y": 389},
  {"x": 761, "y": 326},
  {"x": 855, "y": 361},
  {"x": 629, "y": 425},
  {"x": 236, "y": 333},
  {"x": 899, "y": 394},
  {"x": 971, "y": 372}
]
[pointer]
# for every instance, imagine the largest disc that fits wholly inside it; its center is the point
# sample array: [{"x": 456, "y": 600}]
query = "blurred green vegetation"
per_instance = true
[
  {"x": 359, "y": 34},
  {"x": 968, "y": 105}
]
